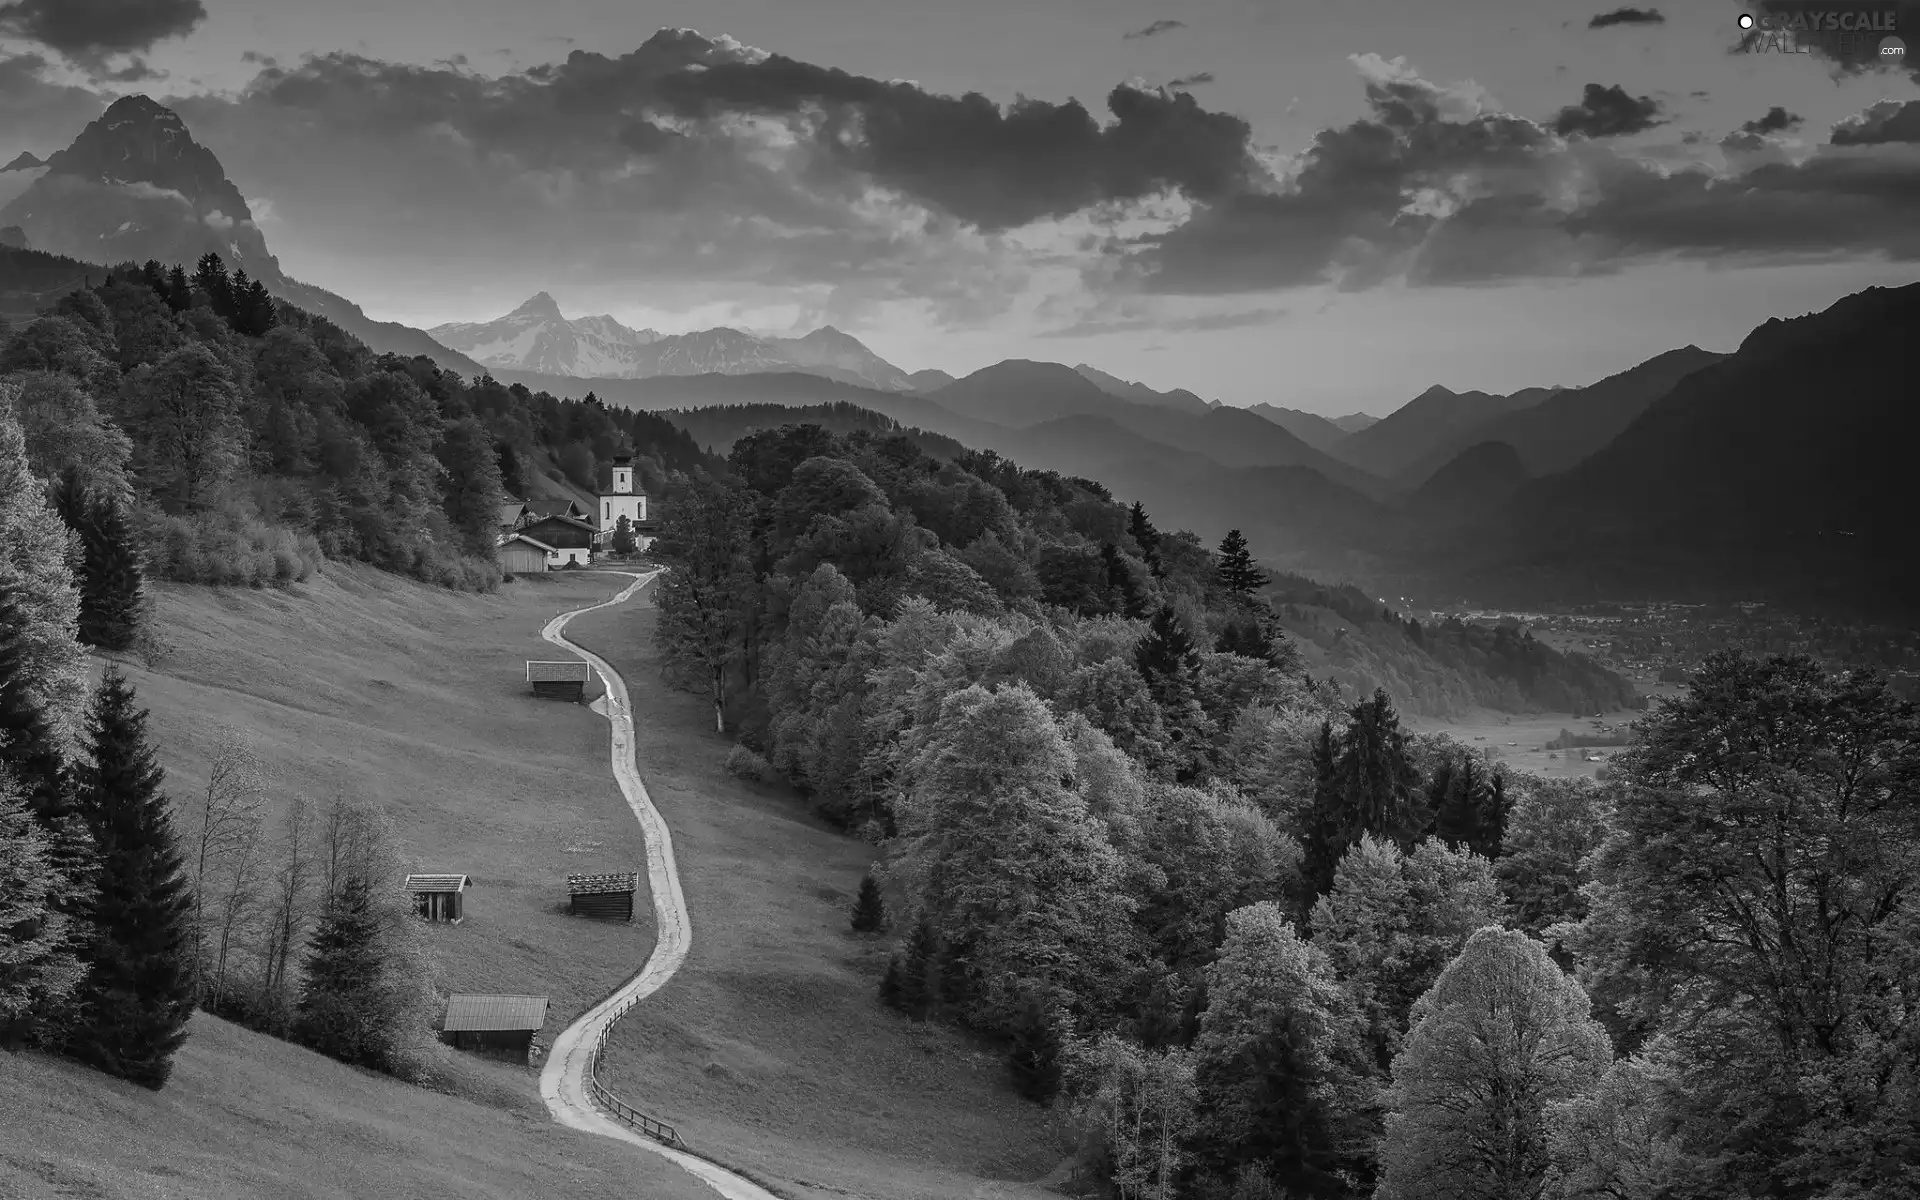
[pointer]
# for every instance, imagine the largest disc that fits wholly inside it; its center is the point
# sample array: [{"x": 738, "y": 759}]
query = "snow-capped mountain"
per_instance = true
[{"x": 537, "y": 337}]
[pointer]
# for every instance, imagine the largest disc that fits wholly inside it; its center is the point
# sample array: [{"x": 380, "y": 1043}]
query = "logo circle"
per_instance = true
[
  {"x": 1892, "y": 50},
  {"x": 1746, "y": 21}
]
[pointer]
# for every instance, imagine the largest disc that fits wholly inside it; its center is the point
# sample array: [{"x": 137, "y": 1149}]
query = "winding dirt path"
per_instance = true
[{"x": 563, "y": 1081}]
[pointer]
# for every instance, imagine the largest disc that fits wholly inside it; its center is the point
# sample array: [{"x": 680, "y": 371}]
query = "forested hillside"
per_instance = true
[
  {"x": 1255, "y": 941},
  {"x": 250, "y": 439}
]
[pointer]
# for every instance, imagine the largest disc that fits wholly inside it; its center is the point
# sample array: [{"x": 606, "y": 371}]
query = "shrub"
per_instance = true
[
  {"x": 743, "y": 763},
  {"x": 231, "y": 546}
]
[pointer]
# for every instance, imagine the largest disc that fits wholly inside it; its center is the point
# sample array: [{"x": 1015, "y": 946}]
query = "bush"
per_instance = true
[
  {"x": 743, "y": 763},
  {"x": 230, "y": 546}
]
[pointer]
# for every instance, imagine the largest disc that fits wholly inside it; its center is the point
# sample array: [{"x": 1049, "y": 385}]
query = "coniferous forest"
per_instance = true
[{"x": 1250, "y": 938}]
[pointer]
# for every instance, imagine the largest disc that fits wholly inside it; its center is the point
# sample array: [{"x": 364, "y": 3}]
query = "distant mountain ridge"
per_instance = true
[
  {"x": 1411, "y": 432},
  {"x": 1139, "y": 393},
  {"x": 1311, "y": 428},
  {"x": 537, "y": 337}
]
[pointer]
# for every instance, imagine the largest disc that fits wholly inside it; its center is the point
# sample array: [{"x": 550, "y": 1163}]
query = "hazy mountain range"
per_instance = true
[{"x": 1762, "y": 472}]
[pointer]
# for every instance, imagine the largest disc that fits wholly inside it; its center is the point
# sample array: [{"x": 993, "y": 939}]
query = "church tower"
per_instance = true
[{"x": 622, "y": 500}]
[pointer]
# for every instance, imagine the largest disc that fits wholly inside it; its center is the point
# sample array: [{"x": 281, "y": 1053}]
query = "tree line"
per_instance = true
[
  {"x": 247, "y": 440},
  {"x": 122, "y": 909},
  {"x": 1252, "y": 939}
]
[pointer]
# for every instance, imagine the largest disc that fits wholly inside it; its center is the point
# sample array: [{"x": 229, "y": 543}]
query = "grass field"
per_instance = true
[
  {"x": 1529, "y": 734},
  {"x": 247, "y": 1117},
  {"x": 769, "y": 1049},
  {"x": 412, "y": 698}
]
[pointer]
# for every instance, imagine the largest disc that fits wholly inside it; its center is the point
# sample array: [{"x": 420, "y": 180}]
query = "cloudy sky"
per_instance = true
[{"x": 1327, "y": 204}]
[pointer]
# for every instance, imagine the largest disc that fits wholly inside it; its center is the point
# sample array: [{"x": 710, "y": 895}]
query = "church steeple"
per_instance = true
[{"x": 623, "y": 475}]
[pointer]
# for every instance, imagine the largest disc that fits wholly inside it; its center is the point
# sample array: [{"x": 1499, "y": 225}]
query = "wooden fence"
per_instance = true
[{"x": 660, "y": 1131}]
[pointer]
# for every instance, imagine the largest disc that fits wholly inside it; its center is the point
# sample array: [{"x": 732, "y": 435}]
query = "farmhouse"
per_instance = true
[
  {"x": 523, "y": 555},
  {"x": 513, "y": 514},
  {"x": 569, "y": 538},
  {"x": 607, "y": 897},
  {"x": 437, "y": 897},
  {"x": 559, "y": 680},
  {"x": 496, "y": 1026}
]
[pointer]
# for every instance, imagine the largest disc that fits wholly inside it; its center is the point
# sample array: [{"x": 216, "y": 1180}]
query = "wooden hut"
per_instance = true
[
  {"x": 522, "y": 555},
  {"x": 559, "y": 680},
  {"x": 606, "y": 897},
  {"x": 496, "y": 1026},
  {"x": 438, "y": 897}
]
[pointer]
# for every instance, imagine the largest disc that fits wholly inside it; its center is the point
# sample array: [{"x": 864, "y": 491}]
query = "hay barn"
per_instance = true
[
  {"x": 522, "y": 555},
  {"x": 499, "y": 1027},
  {"x": 604, "y": 897},
  {"x": 439, "y": 897},
  {"x": 559, "y": 680}
]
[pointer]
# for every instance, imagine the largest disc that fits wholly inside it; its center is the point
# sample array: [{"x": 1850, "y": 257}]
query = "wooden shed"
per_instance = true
[
  {"x": 606, "y": 897},
  {"x": 438, "y": 897},
  {"x": 522, "y": 555},
  {"x": 559, "y": 680},
  {"x": 496, "y": 1026}
]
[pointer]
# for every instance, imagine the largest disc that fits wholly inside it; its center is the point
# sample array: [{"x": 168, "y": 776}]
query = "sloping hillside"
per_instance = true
[{"x": 246, "y": 1116}]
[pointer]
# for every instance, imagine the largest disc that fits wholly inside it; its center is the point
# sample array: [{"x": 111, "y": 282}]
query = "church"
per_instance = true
[{"x": 621, "y": 500}]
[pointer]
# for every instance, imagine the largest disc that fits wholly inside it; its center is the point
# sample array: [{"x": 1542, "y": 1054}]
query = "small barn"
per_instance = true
[
  {"x": 499, "y": 1027},
  {"x": 522, "y": 555},
  {"x": 605, "y": 897},
  {"x": 438, "y": 897},
  {"x": 559, "y": 680}
]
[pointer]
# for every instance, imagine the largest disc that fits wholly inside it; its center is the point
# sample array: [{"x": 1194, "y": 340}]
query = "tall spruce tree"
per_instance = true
[
  {"x": 1325, "y": 833},
  {"x": 1375, "y": 776},
  {"x": 1165, "y": 657},
  {"x": 134, "y": 1006},
  {"x": 342, "y": 1011},
  {"x": 1145, "y": 536},
  {"x": 179, "y": 291},
  {"x": 1237, "y": 571},
  {"x": 111, "y": 584},
  {"x": 869, "y": 909},
  {"x": 916, "y": 990},
  {"x": 1034, "y": 1057},
  {"x": 210, "y": 276}
]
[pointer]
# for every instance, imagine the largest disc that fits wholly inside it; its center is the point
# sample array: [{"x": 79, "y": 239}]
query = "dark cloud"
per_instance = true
[
  {"x": 1154, "y": 29},
  {"x": 1435, "y": 189},
  {"x": 87, "y": 31},
  {"x": 1193, "y": 80},
  {"x": 1812, "y": 27},
  {"x": 1201, "y": 323},
  {"x": 1887, "y": 123},
  {"x": 1776, "y": 120},
  {"x": 37, "y": 113},
  {"x": 1608, "y": 111},
  {"x": 1627, "y": 16}
]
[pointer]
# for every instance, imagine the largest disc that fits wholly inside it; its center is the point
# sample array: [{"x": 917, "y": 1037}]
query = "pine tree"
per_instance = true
[
  {"x": 135, "y": 1003},
  {"x": 1145, "y": 536},
  {"x": 1034, "y": 1057},
  {"x": 210, "y": 276},
  {"x": 1458, "y": 800},
  {"x": 869, "y": 910},
  {"x": 1326, "y": 832},
  {"x": 1493, "y": 818},
  {"x": 342, "y": 1012},
  {"x": 916, "y": 994},
  {"x": 111, "y": 585},
  {"x": 1237, "y": 571},
  {"x": 237, "y": 289},
  {"x": 257, "y": 310},
  {"x": 179, "y": 293},
  {"x": 890, "y": 984},
  {"x": 1165, "y": 657}
]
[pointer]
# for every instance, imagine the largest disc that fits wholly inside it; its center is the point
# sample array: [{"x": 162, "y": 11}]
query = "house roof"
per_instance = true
[
  {"x": 564, "y": 519},
  {"x": 556, "y": 508},
  {"x": 511, "y": 511},
  {"x": 494, "y": 1014},
  {"x": 589, "y": 885},
  {"x": 438, "y": 883},
  {"x": 558, "y": 672},
  {"x": 536, "y": 543}
]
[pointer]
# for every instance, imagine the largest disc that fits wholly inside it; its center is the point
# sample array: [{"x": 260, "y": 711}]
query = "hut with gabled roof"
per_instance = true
[
  {"x": 438, "y": 897},
  {"x": 495, "y": 1026},
  {"x": 608, "y": 897},
  {"x": 559, "y": 680}
]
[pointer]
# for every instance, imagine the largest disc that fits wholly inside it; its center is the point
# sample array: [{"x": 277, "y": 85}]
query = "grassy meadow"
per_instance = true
[{"x": 770, "y": 1049}]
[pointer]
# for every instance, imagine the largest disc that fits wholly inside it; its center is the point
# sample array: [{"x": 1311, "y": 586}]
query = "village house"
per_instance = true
[{"x": 569, "y": 539}]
